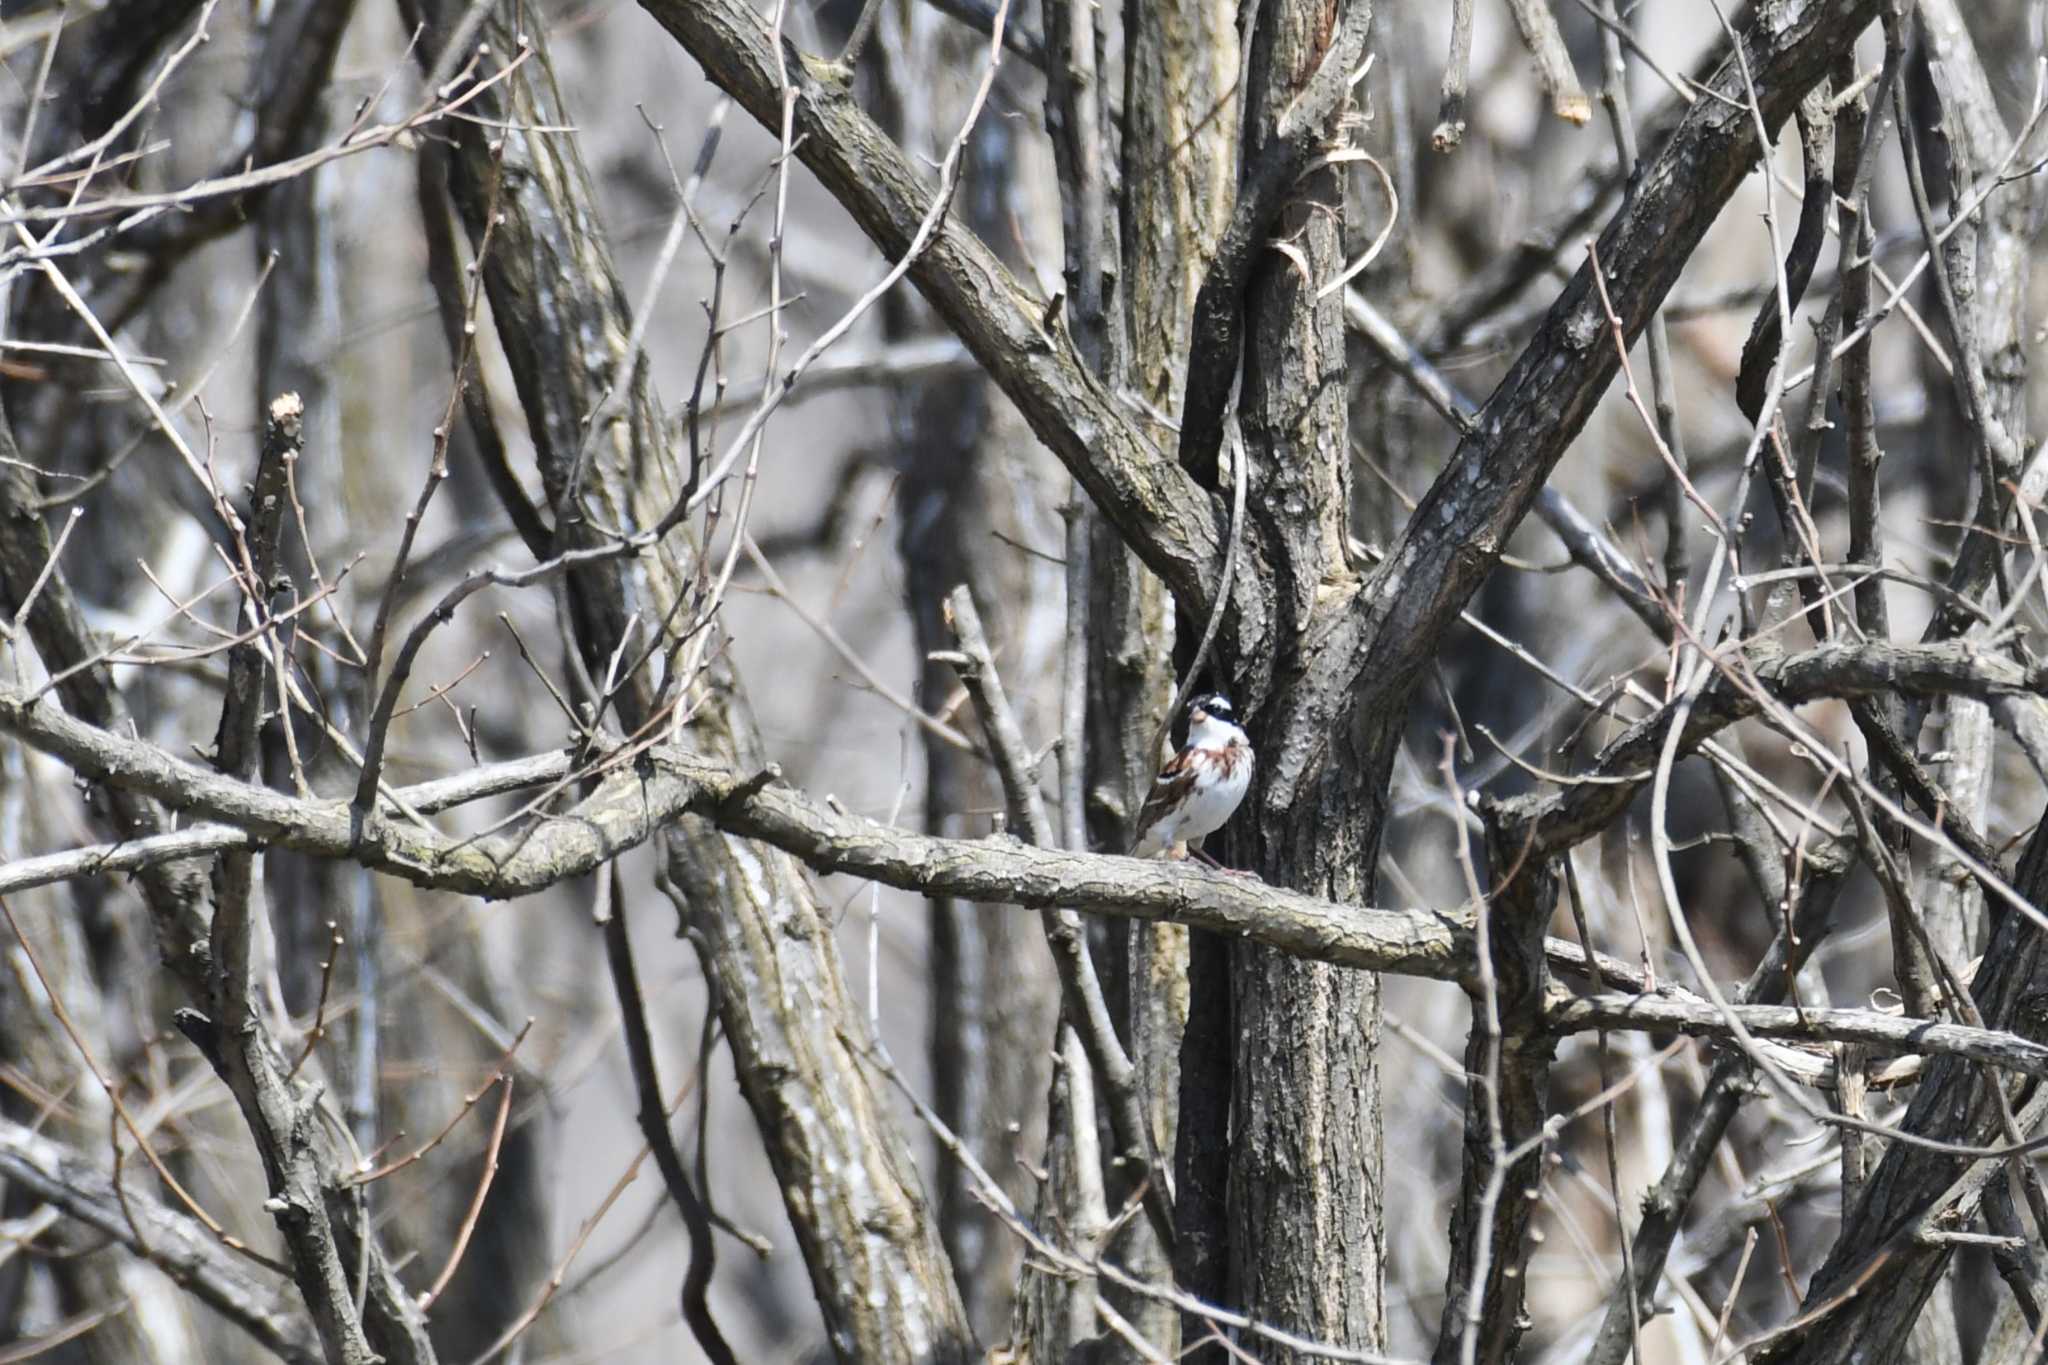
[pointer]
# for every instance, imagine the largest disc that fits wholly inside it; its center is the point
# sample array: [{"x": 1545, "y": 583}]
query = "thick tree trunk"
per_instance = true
[{"x": 1307, "y": 1244}]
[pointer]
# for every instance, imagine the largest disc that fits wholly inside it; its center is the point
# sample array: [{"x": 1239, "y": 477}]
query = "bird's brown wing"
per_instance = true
[{"x": 1169, "y": 789}]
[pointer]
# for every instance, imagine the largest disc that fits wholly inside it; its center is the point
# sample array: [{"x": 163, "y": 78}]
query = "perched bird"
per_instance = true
[{"x": 1201, "y": 785}]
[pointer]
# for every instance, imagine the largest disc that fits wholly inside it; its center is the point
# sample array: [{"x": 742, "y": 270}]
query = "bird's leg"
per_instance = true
[{"x": 1195, "y": 850}]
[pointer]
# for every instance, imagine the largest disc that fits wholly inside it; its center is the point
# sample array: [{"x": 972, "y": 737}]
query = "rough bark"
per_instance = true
[
  {"x": 1324, "y": 653},
  {"x": 1370, "y": 640},
  {"x": 1507, "y": 1100},
  {"x": 1307, "y": 1240},
  {"x": 1989, "y": 265},
  {"x": 191, "y": 1256}
]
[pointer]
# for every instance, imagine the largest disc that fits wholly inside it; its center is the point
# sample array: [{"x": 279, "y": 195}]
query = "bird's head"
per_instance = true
[{"x": 1212, "y": 720}]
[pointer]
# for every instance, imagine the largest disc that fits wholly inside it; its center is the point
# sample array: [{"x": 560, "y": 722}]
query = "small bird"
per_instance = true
[{"x": 1201, "y": 785}]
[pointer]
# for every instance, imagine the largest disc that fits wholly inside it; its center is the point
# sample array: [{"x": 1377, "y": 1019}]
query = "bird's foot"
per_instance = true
[{"x": 1215, "y": 866}]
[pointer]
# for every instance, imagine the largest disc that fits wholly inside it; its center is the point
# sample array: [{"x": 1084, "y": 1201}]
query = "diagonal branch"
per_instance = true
[
  {"x": 1173, "y": 525},
  {"x": 1458, "y": 531},
  {"x": 605, "y": 462},
  {"x": 1581, "y": 538},
  {"x": 55, "y": 1174}
]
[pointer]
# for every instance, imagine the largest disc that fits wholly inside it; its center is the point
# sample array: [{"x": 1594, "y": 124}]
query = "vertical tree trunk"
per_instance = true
[{"x": 1307, "y": 1245}]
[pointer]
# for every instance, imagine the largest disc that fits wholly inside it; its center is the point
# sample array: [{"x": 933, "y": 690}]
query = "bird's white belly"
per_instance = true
[{"x": 1207, "y": 810}]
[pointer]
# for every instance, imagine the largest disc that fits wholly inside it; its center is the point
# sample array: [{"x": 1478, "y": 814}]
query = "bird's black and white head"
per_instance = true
[{"x": 1212, "y": 722}]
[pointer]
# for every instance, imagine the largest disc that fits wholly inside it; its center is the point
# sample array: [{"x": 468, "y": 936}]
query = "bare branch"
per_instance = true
[
  {"x": 1162, "y": 513},
  {"x": 53, "y": 1173},
  {"x": 1454, "y": 538}
]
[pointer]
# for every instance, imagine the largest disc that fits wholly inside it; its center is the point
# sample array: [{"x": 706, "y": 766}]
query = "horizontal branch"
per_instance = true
[
  {"x": 922, "y": 359},
  {"x": 639, "y": 799},
  {"x": 203, "y": 841},
  {"x": 1698, "y": 1018}
]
